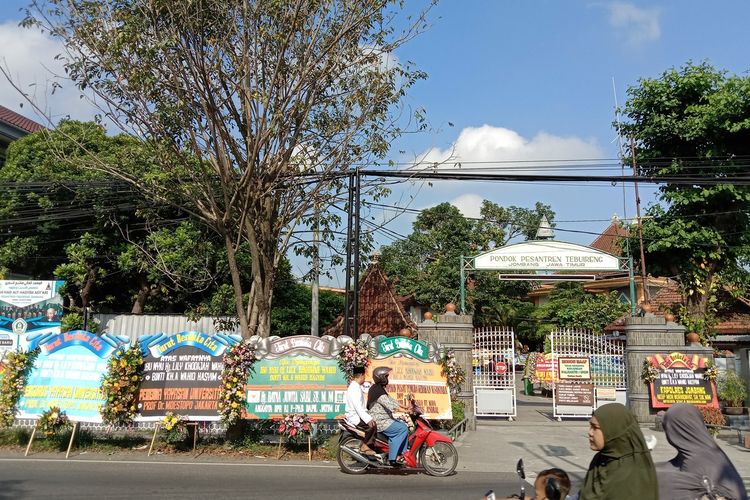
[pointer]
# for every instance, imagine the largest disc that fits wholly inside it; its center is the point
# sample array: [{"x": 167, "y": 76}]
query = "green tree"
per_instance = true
[
  {"x": 426, "y": 264},
  {"x": 253, "y": 110},
  {"x": 694, "y": 123},
  {"x": 570, "y": 306}
]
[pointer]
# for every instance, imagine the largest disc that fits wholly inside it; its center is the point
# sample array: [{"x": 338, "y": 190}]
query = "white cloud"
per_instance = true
[
  {"x": 498, "y": 144},
  {"x": 469, "y": 205},
  {"x": 636, "y": 25},
  {"x": 29, "y": 57}
]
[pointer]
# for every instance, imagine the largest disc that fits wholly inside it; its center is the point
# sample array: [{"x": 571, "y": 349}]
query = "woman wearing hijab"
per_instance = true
[
  {"x": 622, "y": 469},
  {"x": 698, "y": 456},
  {"x": 381, "y": 407}
]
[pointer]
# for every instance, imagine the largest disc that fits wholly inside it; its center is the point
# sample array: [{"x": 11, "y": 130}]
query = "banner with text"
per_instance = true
[
  {"x": 298, "y": 374},
  {"x": 416, "y": 371},
  {"x": 182, "y": 374},
  {"x": 681, "y": 378},
  {"x": 28, "y": 308},
  {"x": 67, "y": 373}
]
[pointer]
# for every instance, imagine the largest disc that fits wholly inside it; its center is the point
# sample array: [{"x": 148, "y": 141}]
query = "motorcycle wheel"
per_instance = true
[
  {"x": 439, "y": 460},
  {"x": 348, "y": 463}
]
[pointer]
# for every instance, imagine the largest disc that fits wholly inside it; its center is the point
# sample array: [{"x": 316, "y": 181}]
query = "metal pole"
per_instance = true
[
  {"x": 347, "y": 288},
  {"x": 315, "y": 287},
  {"x": 632, "y": 286},
  {"x": 355, "y": 251},
  {"x": 463, "y": 287},
  {"x": 644, "y": 283}
]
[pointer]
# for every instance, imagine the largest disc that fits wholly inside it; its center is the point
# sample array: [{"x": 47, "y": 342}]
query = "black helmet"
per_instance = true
[{"x": 380, "y": 374}]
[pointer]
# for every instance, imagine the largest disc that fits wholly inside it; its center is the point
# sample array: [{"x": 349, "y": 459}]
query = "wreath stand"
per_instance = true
[
  {"x": 309, "y": 447},
  {"x": 70, "y": 443},
  {"x": 187, "y": 424}
]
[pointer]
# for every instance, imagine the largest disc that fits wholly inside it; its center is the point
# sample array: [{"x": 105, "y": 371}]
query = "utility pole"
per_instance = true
[
  {"x": 646, "y": 293},
  {"x": 351, "y": 301},
  {"x": 315, "y": 288}
]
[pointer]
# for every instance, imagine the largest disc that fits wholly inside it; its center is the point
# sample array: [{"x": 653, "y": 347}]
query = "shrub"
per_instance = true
[{"x": 732, "y": 389}]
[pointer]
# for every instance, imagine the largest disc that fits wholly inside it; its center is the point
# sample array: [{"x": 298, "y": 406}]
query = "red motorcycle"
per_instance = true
[{"x": 426, "y": 449}]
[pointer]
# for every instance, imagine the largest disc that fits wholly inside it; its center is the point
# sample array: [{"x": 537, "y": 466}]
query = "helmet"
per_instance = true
[{"x": 380, "y": 374}]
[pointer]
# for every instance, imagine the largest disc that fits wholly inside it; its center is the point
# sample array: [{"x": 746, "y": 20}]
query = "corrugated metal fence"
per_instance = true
[{"x": 135, "y": 325}]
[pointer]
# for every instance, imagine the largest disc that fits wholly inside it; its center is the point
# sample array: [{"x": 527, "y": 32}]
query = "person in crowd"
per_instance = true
[
  {"x": 622, "y": 467},
  {"x": 698, "y": 457},
  {"x": 382, "y": 406},
  {"x": 551, "y": 484},
  {"x": 356, "y": 414},
  {"x": 51, "y": 315}
]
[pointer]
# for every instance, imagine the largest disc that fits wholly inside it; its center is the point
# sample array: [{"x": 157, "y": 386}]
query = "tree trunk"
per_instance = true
[
  {"x": 263, "y": 248},
  {"x": 234, "y": 271},
  {"x": 144, "y": 292}
]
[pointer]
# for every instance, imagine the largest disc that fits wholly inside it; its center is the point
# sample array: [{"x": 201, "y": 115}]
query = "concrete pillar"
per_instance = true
[
  {"x": 456, "y": 332},
  {"x": 648, "y": 335}
]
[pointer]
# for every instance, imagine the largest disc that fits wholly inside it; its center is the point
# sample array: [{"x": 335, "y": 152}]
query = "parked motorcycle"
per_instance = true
[{"x": 426, "y": 449}]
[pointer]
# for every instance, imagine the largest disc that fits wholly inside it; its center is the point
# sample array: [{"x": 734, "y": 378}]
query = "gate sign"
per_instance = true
[
  {"x": 416, "y": 371},
  {"x": 28, "y": 308},
  {"x": 546, "y": 256},
  {"x": 67, "y": 374},
  {"x": 574, "y": 394},
  {"x": 574, "y": 368},
  {"x": 182, "y": 374},
  {"x": 680, "y": 379}
]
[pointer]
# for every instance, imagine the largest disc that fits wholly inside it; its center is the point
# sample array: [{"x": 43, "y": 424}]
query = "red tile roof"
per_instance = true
[
  {"x": 19, "y": 121},
  {"x": 609, "y": 240}
]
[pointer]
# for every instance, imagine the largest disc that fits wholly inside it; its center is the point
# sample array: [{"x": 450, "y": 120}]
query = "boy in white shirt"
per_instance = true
[{"x": 356, "y": 414}]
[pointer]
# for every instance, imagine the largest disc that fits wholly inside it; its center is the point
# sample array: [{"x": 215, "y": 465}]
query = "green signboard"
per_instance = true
[
  {"x": 388, "y": 346},
  {"x": 298, "y": 383}
]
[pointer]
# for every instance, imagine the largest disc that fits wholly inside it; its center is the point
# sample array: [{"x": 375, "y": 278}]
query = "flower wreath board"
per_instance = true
[
  {"x": 182, "y": 375},
  {"x": 416, "y": 370},
  {"x": 67, "y": 374},
  {"x": 680, "y": 378},
  {"x": 296, "y": 375}
]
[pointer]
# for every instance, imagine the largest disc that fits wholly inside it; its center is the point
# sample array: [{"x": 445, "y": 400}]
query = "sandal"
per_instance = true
[{"x": 368, "y": 451}]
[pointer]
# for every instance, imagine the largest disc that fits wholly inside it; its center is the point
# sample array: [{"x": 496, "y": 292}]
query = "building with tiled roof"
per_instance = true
[
  {"x": 381, "y": 310},
  {"x": 611, "y": 239},
  {"x": 12, "y": 127}
]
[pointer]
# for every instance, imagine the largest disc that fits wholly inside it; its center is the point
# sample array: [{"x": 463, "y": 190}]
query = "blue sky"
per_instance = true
[{"x": 519, "y": 81}]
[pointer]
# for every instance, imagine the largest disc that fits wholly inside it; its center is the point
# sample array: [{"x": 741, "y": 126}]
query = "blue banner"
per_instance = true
[{"x": 67, "y": 373}]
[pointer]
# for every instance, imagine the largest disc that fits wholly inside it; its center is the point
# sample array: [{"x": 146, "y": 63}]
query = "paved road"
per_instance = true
[{"x": 82, "y": 478}]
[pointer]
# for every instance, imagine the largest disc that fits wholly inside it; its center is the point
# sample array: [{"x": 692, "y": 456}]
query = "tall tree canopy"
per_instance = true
[
  {"x": 694, "y": 123},
  {"x": 427, "y": 264},
  {"x": 251, "y": 109}
]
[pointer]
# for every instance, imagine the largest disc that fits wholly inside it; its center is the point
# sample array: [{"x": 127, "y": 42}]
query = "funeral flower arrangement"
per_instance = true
[
  {"x": 453, "y": 372},
  {"x": 53, "y": 421},
  {"x": 17, "y": 368},
  {"x": 711, "y": 372},
  {"x": 238, "y": 363},
  {"x": 649, "y": 372},
  {"x": 354, "y": 354},
  {"x": 174, "y": 427},
  {"x": 120, "y": 386},
  {"x": 295, "y": 425}
]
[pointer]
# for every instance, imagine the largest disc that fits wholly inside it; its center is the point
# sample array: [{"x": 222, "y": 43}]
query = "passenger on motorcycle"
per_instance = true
[
  {"x": 356, "y": 414},
  {"x": 382, "y": 406}
]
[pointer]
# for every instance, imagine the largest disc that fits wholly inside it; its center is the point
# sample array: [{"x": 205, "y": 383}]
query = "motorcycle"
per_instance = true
[
  {"x": 426, "y": 448},
  {"x": 551, "y": 489}
]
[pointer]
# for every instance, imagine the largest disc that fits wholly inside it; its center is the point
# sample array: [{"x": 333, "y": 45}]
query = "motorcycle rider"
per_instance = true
[
  {"x": 381, "y": 406},
  {"x": 356, "y": 414}
]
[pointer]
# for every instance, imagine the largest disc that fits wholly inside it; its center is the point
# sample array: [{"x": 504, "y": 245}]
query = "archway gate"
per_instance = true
[
  {"x": 494, "y": 372},
  {"x": 587, "y": 371}
]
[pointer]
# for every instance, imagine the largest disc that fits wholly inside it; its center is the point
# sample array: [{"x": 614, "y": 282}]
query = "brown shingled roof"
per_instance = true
[
  {"x": 609, "y": 240},
  {"x": 21, "y": 122},
  {"x": 381, "y": 310}
]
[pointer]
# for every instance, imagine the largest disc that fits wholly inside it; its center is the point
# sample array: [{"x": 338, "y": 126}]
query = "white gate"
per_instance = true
[
  {"x": 588, "y": 371},
  {"x": 494, "y": 372}
]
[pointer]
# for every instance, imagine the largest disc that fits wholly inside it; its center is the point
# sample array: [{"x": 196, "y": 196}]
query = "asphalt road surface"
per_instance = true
[{"x": 79, "y": 478}]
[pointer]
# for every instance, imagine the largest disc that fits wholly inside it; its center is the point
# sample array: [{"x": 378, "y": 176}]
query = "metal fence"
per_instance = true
[
  {"x": 494, "y": 374},
  {"x": 589, "y": 370}
]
